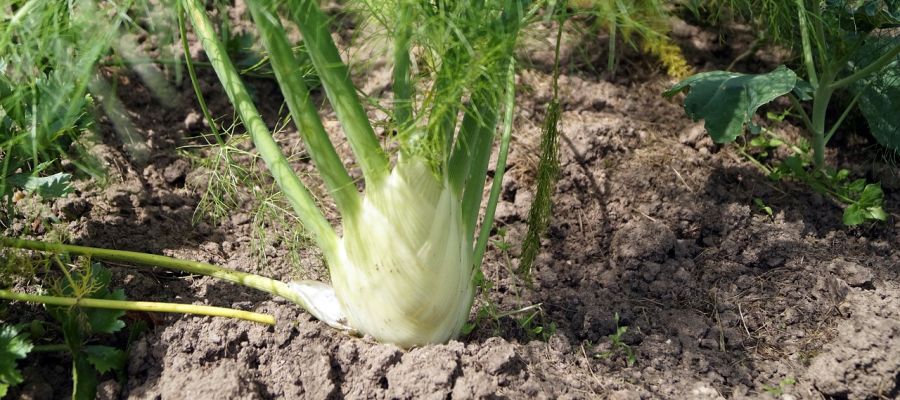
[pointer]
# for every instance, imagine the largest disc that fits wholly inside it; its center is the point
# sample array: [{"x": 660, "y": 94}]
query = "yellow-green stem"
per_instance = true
[
  {"x": 258, "y": 282},
  {"x": 139, "y": 306}
]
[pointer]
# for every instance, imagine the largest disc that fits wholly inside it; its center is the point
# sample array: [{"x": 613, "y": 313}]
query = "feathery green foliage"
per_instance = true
[
  {"x": 548, "y": 171},
  {"x": 48, "y": 53},
  {"x": 646, "y": 20}
]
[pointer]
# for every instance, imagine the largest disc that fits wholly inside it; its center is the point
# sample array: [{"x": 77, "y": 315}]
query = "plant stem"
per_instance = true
[
  {"x": 755, "y": 162},
  {"x": 611, "y": 57},
  {"x": 496, "y": 186},
  {"x": 401, "y": 84},
  {"x": 820, "y": 105},
  {"x": 840, "y": 119},
  {"x": 335, "y": 77},
  {"x": 65, "y": 271},
  {"x": 297, "y": 194},
  {"x": 258, "y": 282},
  {"x": 306, "y": 117},
  {"x": 807, "y": 46},
  {"x": 480, "y": 147},
  {"x": 50, "y": 348},
  {"x": 799, "y": 107},
  {"x": 139, "y": 306},
  {"x": 195, "y": 82},
  {"x": 872, "y": 68}
]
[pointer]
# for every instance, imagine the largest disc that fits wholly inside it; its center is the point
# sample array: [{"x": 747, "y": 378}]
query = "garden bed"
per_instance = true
[{"x": 652, "y": 223}]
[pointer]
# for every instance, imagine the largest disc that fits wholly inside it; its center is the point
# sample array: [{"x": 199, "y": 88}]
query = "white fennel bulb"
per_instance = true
[{"x": 404, "y": 272}]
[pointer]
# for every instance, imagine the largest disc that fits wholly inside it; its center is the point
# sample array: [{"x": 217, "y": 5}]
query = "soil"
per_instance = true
[{"x": 654, "y": 229}]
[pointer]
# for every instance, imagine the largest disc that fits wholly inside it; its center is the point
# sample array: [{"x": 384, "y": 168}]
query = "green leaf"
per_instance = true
[
  {"x": 14, "y": 345},
  {"x": 880, "y": 102},
  {"x": 105, "y": 358},
  {"x": 868, "y": 207},
  {"x": 728, "y": 100},
  {"x": 759, "y": 141},
  {"x": 107, "y": 321},
  {"x": 842, "y": 175},
  {"x": 856, "y": 186},
  {"x": 869, "y": 14},
  {"x": 53, "y": 186},
  {"x": 103, "y": 320},
  {"x": 99, "y": 320},
  {"x": 803, "y": 91},
  {"x": 84, "y": 378},
  {"x": 877, "y": 213},
  {"x": 872, "y": 195},
  {"x": 762, "y": 206},
  {"x": 854, "y": 215},
  {"x": 793, "y": 165}
]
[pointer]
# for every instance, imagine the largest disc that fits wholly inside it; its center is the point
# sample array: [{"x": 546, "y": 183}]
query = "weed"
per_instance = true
[
  {"x": 779, "y": 390},
  {"x": 530, "y": 319},
  {"x": 761, "y": 205},
  {"x": 618, "y": 345},
  {"x": 844, "y": 47},
  {"x": 863, "y": 200},
  {"x": 78, "y": 326},
  {"x": 14, "y": 345}
]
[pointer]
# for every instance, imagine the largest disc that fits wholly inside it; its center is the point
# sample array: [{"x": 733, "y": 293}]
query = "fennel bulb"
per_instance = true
[{"x": 404, "y": 271}]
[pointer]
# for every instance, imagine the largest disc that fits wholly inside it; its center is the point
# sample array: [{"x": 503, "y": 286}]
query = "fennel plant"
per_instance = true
[{"x": 403, "y": 268}]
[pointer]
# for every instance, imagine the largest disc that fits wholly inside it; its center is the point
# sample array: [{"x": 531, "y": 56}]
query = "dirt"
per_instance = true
[{"x": 655, "y": 229}]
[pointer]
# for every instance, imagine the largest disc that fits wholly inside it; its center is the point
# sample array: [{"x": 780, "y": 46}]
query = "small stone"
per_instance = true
[{"x": 192, "y": 121}]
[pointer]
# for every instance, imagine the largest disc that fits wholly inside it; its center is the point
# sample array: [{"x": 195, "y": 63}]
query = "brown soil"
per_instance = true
[{"x": 652, "y": 222}]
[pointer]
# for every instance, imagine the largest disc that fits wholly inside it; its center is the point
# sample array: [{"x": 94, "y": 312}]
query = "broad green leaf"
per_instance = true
[
  {"x": 856, "y": 214},
  {"x": 728, "y": 100},
  {"x": 103, "y": 320},
  {"x": 857, "y": 186},
  {"x": 13, "y": 346},
  {"x": 880, "y": 104},
  {"x": 53, "y": 186},
  {"x": 105, "y": 358}
]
